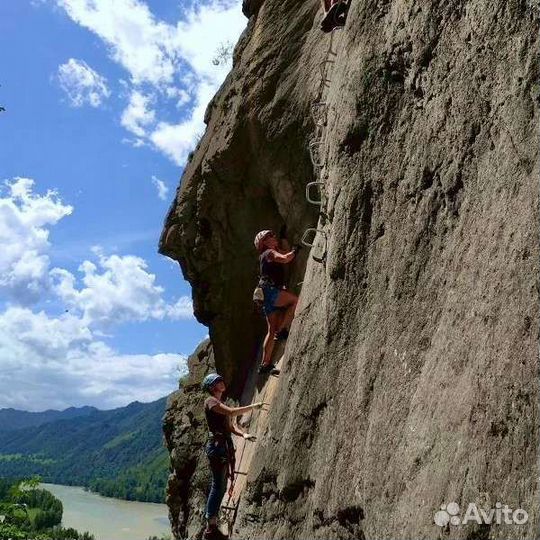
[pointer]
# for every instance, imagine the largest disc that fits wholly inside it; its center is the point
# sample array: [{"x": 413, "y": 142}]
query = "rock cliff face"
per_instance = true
[{"x": 410, "y": 377}]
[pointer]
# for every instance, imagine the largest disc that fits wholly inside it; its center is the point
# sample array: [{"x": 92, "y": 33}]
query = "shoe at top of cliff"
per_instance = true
[
  {"x": 335, "y": 14},
  {"x": 251, "y": 7}
]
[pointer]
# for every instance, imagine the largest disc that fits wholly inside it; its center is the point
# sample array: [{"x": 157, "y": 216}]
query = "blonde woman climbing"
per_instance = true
[{"x": 279, "y": 304}]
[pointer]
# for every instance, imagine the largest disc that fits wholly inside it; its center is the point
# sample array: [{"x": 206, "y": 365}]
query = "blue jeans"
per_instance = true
[{"x": 219, "y": 465}]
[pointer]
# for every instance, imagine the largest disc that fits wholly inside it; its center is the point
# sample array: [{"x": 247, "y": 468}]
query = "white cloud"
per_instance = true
[
  {"x": 161, "y": 187},
  {"x": 57, "y": 362},
  {"x": 25, "y": 219},
  {"x": 171, "y": 61},
  {"x": 177, "y": 140},
  {"x": 183, "y": 309},
  {"x": 38, "y": 334},
  {"x": 204, "y": 31},
  {"x": 136, "y": 40},
  {"x": 58, "y": 357},
  {"x": 137, "y": 114},
  {"x": 182, "y": 96},
  {"x": 82, "y": 84},
  {"x": 117, "y": 289}
]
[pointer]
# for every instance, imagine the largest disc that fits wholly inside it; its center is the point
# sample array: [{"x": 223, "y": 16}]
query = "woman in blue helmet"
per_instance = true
[{"x": 220, "y": 448}]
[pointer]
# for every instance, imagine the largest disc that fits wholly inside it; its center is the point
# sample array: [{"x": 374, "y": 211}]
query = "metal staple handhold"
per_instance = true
[
  {"x": 319, "y": 105},
  {"x": 319, "y": 113},
  {"x": 304, "y": 241},
  {"x": 315, "y": 153},
  {"x": 309, "y": 185},
  {"x": 322, "y": 68}
]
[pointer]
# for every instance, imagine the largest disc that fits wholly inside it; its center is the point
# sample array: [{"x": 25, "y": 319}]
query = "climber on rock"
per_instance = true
[
  {"x": 278, "y": 304},
  {"x": 220, "y": 448},
  {"x": 335, "y": 14}
]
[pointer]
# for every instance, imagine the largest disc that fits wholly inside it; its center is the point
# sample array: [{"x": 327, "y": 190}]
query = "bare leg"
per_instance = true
[
  {"x": 288, "y": 300},
  {"x": 288, "y": 319},
  {"x": 273, "y": 321}
]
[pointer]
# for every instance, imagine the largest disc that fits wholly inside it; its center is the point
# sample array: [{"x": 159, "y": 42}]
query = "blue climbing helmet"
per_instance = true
[{"x": 210, "y": 380}]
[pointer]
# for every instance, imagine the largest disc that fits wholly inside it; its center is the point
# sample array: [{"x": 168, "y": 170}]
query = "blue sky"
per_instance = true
[{"x": 104, "y": 100}]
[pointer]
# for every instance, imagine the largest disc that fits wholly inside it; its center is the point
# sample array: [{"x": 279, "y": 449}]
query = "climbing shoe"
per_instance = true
[
  {"x": 282, "y": 335},
  {"x": 335, "y": 17},
  {"x": 340, "y": 15},
  {"x": 268, "y": 368},
  {"x": 213, "y": 533},
  {"x": 328, "y": 22}
]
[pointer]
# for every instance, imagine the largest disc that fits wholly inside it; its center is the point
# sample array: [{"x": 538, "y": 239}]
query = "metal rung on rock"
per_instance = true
[
  {"x": 240, "y": 472},
  {"x": 314, "y": 231},
  {"x": 314, "y": 153},
  {"x": 322, "y": 68},
  {"x": 307, "y": 232},
  {"x": 309, "y": 185},
  {"x": 319, "y": 112},
  {"x": 319, "y": 105},
  {"x": 319, "y": 132},
  {"x": 320, "y": 124},
  {"x": 322, "y": 65}
]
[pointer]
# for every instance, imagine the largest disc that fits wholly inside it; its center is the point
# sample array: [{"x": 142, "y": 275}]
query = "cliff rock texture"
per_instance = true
[{"x": 410, "y": 377}]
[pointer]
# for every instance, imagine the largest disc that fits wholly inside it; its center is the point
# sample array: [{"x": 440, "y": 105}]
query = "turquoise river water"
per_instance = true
[{"x": 110, "y": 519}]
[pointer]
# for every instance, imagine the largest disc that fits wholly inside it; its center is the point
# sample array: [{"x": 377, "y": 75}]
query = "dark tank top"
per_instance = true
[
  {"x": 217, "y": 423},
  {"x": 272, "y": 273}
]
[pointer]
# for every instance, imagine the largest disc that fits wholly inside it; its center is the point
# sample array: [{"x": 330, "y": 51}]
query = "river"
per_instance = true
[{"x": 110, "y": 519}]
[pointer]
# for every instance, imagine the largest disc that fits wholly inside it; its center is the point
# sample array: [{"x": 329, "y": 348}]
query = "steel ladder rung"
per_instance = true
[
  {"x": 307, "y": 232},
  {"x": 309, "y": 185}
]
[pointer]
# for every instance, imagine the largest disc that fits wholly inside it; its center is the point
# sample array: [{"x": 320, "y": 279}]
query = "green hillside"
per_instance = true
[
  {"x": 118, "y": 453},
  {"x": 11, "y": 419}
]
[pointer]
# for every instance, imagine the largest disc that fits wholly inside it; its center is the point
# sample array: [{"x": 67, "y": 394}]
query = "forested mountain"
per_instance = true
[
  {"x": 11, "y": 419},
  {"x": 118, "y": 453}
]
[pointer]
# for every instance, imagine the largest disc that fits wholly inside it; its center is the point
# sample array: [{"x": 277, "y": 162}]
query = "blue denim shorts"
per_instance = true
[{"x": 271, "y": 294}]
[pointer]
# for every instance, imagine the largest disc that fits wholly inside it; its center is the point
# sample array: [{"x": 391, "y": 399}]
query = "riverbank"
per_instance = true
[{"x": 110, "y": 519}]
